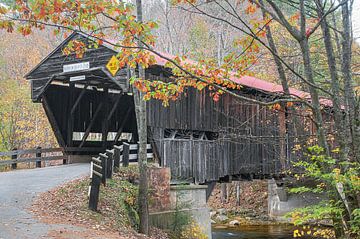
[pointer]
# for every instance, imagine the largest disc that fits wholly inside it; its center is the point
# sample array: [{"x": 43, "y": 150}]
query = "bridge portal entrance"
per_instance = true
[{"x": 88, "y": 107}]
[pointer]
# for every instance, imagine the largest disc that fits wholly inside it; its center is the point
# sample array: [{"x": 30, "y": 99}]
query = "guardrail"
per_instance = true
[
  {"x": 32, "y": 155},
  {"x": 103, "y": 166}
]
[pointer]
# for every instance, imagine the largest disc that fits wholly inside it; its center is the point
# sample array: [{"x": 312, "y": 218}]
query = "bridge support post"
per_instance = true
[
  {"x": 65, "y": 160},
  {"x": 224, "y": 192},
  {"x": 104, "y": 165},
  {"x": 280, "y": 204},
  {"x": 94, "y": 192},
  {"x": 14, "y": 165},
  {"x": 117, "y": 153},
  {"x": 110, "y": 163},
  {"x": 126, "y": 153},
  {"x": 38, "y": 155},
  {"x": 238, "y": 193}
]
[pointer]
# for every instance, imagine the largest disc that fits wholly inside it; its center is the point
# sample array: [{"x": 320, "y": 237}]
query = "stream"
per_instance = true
[{"x": 254, "y": 232}]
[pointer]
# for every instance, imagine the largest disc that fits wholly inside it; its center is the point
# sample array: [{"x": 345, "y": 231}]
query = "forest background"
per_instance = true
[{"x": 24, "y": 124}]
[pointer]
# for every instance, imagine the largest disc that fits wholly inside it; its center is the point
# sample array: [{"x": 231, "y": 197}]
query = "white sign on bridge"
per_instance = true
[
  {"x": 77, "y": 78},
  {"x": 76, "y": 67}
]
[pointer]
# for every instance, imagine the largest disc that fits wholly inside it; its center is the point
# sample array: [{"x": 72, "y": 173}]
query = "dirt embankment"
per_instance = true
[
  {"x": 116, "y": 217},
  {"x": 250, "y": 209}
]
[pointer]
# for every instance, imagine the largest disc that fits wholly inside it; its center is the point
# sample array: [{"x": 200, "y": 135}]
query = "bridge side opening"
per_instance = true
[{"x": 88, "y": 119}]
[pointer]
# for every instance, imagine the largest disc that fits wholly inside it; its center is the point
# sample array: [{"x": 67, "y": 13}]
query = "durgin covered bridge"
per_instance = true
[{"x": 202, "y": 141}]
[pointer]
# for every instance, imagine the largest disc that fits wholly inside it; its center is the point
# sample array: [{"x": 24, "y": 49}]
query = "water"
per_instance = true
[{"x": 254, "y": 232}]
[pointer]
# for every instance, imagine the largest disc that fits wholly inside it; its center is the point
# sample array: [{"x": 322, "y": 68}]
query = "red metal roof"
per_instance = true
[
  {"x": 247, "y": 81},
  {"x": 253, "y": 82}
]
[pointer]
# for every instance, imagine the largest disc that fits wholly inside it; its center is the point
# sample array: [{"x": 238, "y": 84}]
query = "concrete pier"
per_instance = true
[{"x": 281, "y": 202}]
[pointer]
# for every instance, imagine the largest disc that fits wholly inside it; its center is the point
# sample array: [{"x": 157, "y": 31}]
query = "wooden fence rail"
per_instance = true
[
  {"x": 24, "y": 156},
  {"x": 103, "y": 166}
]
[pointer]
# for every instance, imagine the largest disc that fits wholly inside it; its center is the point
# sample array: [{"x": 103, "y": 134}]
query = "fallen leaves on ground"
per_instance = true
[
  {"x": 68, "y": 204},
  {"x": 253, "y": 198}
]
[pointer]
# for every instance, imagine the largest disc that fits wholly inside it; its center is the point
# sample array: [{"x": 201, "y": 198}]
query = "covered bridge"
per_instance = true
[{"x": 199, "y": 139}]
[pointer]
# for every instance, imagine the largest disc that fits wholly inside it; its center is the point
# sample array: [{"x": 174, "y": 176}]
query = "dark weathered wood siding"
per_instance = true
[
  {"x": 247, "y": 142},
  {"x": 204, "y": 160},
  {"x": 98, "y": 57}
]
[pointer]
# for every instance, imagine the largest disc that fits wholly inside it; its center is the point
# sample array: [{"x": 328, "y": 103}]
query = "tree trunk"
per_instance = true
[
  {"x": 224, "y": 193},
  {"x": 316, "y": 109},
  {"x": 338, "y": 117},
  {"x": 275, "y": 53},
  {"x": 140, "y": 108},
  {"x": 335, "y": 86},
  {"x": 238, "y": 191},
  {"x": 220, "y": 45},
  {"x": 167, "y": 25},
  {"x": 350, "y": 99},
  {"x": 336, "y": 34}
]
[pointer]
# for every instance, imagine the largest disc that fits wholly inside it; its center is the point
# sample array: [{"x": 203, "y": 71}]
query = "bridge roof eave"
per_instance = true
[
  {"x": 97, "y": 77},
  {"x": 62, "y": 44}
]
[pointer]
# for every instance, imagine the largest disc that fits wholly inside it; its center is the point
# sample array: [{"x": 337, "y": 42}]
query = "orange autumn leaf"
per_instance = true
[{"x": 276, "y": 106}]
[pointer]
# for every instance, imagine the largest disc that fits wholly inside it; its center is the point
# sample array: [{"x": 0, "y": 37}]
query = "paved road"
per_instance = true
[{"x": 19, "y": 188}]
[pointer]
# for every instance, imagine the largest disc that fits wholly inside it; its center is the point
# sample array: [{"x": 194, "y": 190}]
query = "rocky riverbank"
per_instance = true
[
  {"x": 222, "y": 218},
  {"x": 247, "y": 206}
]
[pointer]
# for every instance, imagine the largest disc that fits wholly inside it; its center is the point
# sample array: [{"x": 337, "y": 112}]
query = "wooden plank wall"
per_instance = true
[
  {"x": 248, "y": 137},
  {"x": 97, "y": 57},
  {"x": 206, "y": 161},
  {"x": 191, "y": 112}
]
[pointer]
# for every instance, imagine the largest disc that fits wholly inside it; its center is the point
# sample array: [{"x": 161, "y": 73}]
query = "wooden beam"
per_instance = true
[
  {"x": 88, "y": 129},
  {"x": 173, "y": 134},
  {"x": 153, "y": 145},
  {"x": 53, "y": 122},
  {"x": 114, "y": 107},
  {"x": 105, "y": 123},
  {"x": 79, "y": 98},
  {"x": 31, "y": 151},
  {"x": 112, "y": 78},
  {"x": 282, "y": 135},
  {"x": 95, "y": 191},
  {"x": 70, "y": 119},
  {"x": 89, "y": 149},
  {"x": 35, "y": 159},
  {"x": 45, "y": 86},
  {"x": 14, "y": 157},
  {"x": 118, "y": 134}
]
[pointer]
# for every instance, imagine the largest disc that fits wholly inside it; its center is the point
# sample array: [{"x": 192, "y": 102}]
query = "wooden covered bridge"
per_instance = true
[{"x": 199, "y": 139}]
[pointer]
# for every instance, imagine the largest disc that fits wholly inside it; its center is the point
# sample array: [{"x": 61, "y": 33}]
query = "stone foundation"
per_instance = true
[
  {"x": 159, "y": 189},
  {"x": 169, "y": 203}
]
